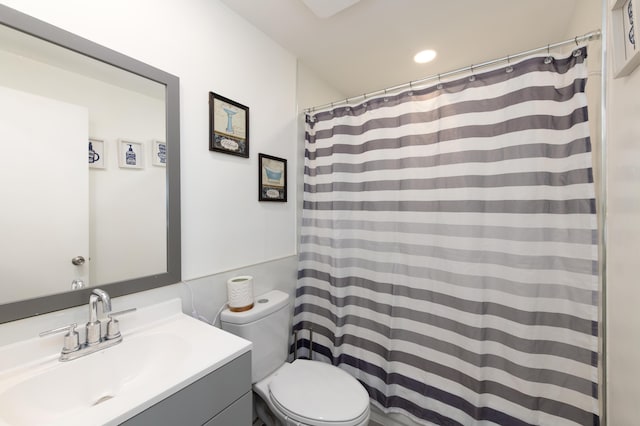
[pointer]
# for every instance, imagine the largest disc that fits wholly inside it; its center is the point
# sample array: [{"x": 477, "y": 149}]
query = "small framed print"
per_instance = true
[
  {"x": 96, "y": 154},
  {"x": 272, "y": 180},
  {"x": 228, "y": 126},
  {"x": 159, "y": 154},
  {"x": 624, "y": 34},
  {"x": 130, "y": 154}
]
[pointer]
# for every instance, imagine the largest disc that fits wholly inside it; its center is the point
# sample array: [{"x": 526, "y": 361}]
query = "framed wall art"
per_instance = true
[
  {"x": 96, "y": 154},
  {"x": 624, "y": 34},
  {"x": 159, "y": 154},
  {"x": 272, "y": 178},
  {"x": 228, "y": 126},
  {"x": 130, "y": 154}
]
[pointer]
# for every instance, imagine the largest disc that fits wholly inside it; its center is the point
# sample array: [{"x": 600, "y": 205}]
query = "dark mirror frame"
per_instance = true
[{"x": 47, "y": 32}]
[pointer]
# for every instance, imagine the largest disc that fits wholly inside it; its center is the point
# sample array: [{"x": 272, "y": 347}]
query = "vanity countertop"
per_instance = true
[{"x": 163, "y": 351}]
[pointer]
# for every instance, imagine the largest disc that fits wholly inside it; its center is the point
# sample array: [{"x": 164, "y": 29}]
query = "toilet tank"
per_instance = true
[{"x": 266, "y": 325}]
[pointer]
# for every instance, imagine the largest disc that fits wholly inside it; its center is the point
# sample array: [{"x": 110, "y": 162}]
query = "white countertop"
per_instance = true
[{"x": 163, "y": 351}]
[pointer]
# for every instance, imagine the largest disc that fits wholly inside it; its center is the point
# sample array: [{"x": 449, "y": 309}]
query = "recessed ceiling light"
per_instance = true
[{"x": 425, "y": 56}]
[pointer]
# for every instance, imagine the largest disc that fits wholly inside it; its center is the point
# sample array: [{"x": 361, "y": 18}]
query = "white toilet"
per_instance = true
[{"x": 305, "y": 393}]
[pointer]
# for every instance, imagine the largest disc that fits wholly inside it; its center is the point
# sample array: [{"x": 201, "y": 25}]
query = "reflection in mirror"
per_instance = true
[{"x": 90, "y": 145}]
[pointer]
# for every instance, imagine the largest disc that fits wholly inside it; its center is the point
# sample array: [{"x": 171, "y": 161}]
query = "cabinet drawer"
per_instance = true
[{"x": 237, "y": 414}]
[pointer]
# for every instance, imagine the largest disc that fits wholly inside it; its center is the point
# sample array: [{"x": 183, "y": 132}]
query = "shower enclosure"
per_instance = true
[{"x": 449, "y": 246}]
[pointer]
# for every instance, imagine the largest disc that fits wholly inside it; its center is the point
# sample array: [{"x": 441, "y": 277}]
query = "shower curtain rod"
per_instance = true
[{"x": 593, "y": 35}]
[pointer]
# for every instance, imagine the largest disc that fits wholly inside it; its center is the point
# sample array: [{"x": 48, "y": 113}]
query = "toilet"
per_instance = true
[{"x": 301, "y": 393}]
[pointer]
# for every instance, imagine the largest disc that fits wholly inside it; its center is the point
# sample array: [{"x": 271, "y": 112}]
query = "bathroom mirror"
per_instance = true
[{"x": 91, "y": 170}]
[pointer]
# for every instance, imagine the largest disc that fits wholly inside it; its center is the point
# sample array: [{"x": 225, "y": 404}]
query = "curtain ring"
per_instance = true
[
  {"x": 509, "y": 68},
  {"x": 411, "y": 88},
  {"x": 385, "y": 96},
  {"x": 472, "y": 77},
  {"x": 439, "y": 86},
  {"x": 549, "y": 58},
  {"x": 577, "y": 52}
]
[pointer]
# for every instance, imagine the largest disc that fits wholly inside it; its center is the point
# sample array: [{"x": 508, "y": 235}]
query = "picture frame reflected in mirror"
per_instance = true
[{"x": 130, "y": 154}]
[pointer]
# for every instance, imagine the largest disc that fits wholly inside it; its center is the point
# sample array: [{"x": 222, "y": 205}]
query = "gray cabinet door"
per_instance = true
[{"x": 199, "y": 402}]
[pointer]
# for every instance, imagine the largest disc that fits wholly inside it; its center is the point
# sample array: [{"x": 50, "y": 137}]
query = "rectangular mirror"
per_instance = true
[{"x": 91, "y": 170}]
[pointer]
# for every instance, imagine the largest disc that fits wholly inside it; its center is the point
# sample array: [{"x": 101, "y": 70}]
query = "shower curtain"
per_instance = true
[{"x": 448, "y": 253}]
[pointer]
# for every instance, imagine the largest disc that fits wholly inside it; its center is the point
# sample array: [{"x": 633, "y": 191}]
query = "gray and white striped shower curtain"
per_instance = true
[{"x": 448, "y": 255}]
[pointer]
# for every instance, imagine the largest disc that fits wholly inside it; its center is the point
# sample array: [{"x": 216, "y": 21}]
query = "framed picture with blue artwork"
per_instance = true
[
  {"x": 130, "y": 154},
  {"x": 272, "y": 178},
  {"x": 228, "y": 126},
  {"x": 96, "y": 154},
  {"x": 159, "y": 154}
]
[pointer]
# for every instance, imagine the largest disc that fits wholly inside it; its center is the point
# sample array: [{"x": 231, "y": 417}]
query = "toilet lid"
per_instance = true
[{"x": 316, "y": 393}]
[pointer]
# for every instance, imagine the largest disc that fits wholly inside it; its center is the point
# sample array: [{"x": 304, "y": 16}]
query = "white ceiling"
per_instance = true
[{"x": 370, "y": 45}]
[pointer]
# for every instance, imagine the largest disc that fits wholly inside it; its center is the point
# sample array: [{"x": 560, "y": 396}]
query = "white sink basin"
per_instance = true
[
  {"x": 162, "y": 351},
  {"x": 91, "y": 380}
]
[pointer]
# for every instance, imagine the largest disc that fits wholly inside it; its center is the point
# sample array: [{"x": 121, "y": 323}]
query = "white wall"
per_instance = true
[
  {"x": 313, "y": 91},
  {"x": 623, "y": 222}
]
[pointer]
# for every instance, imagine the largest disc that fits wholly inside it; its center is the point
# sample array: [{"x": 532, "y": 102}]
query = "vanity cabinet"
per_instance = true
[{"x": 221, "y": 398}]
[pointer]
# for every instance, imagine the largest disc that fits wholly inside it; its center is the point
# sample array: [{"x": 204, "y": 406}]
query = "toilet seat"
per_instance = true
[{"x": 319, "y": 394}]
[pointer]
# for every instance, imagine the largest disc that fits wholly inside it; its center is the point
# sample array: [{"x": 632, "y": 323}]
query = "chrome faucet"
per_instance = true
[
  {"x": 96, "y": 340},
  {"x": 94, "y": 326}
]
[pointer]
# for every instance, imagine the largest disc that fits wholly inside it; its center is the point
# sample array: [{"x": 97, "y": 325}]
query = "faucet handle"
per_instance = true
[
  {"x": 71, "y": 339},
  {"x": 113, "y": 326}
]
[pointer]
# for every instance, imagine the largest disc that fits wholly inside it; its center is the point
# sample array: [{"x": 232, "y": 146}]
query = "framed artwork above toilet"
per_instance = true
[
  {"x": 272, "y": 178},
  {"x": 228, "y": 126}
]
